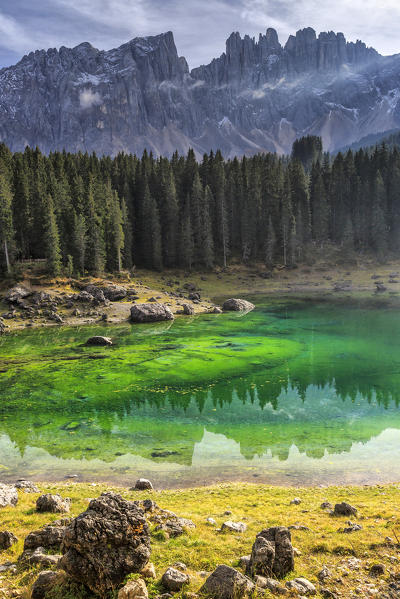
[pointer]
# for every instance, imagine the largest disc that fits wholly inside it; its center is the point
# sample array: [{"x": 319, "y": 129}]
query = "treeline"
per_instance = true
[{"x": 87, "y": 214}]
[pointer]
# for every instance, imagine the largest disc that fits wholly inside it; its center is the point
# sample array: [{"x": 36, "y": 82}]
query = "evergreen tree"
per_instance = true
[
  {"x": 6, "y": 225},
  {"x": 51, "y": 239}
]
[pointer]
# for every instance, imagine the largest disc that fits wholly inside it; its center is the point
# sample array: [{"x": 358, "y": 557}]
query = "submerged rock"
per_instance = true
[
  {"x": 150, "y": 313},
  {"x": 98, "y": 340},
  {"x": 227, "y": 583},
  {"x": 237, "y": 305},
  {"x": 106, "y": 543}
]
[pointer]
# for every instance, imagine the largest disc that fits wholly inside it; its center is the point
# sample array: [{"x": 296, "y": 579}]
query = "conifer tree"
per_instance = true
[
  {"x": 6, "y": 225},
  {"x": 51, "y": 238}
]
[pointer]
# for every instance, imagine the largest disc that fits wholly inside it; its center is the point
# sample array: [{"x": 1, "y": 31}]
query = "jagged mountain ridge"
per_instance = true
[{"x": 257, "y": 96}]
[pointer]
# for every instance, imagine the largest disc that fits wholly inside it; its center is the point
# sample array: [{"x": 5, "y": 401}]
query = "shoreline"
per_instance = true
[{"x": 174, "y": 288}]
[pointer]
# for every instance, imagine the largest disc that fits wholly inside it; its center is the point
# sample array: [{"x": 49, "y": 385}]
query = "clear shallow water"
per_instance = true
[{"x": 302, "y": 393}]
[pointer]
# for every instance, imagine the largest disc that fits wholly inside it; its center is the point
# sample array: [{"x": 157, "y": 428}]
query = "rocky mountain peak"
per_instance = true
[{"x": 257, "y": 96}]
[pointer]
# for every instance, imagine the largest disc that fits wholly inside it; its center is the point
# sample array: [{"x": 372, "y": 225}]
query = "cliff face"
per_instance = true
[{"x": 257, "y": 96}]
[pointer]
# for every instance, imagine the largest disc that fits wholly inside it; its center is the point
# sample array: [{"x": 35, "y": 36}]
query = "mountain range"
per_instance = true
[{"x": 257, "y": 96}]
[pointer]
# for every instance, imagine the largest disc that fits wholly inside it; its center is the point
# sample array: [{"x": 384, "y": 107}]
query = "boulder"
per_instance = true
[
  {"x": 98, "y": 340},
  {"x": 150, "y": 313},
  {"x": 237, "y": 305},
  {"x": 344, "y": 509},
  {"x": 377, "y": 570},
  {"x": 114, "y": 293},
  {"x": 188, "y": 310},
  {"x": 106, "y": 543},
  {"x": 16, "y": 294},
  {"x": 173, "y": 580},
  {"x": 234, "y": 526},
  {"x": 175, "y": 527},
  {"x": 227, "y": 583},
  {"x": 49, "y": 537},
  {"x": 27, "y": 486},
  {"x": 271, "y": 584},
  {"x": 44, "y": 582},
  {"x": 52, "y": 503},
  {"x": 7, "y": 539},
  {"x": 134, "y": 589},
  {"x": 8, "y": 495},
  {"x": 84, "y": 297},
  {"x": 96, "y": 293},
  {"x": 272, "y": 553},
  {"x": 142, "y": 484},
  {"x": 217, "y": 310},
  {"x": 301, "y": 586}
]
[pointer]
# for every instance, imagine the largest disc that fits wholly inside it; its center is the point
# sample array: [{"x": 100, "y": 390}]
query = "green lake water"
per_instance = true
[{"x": 291, "y": 393}]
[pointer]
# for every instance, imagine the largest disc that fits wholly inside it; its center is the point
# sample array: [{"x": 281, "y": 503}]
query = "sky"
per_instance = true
[{"x": 200, "y": 26}]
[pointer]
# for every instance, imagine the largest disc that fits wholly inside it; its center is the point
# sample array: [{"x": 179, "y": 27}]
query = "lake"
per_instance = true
[{"x": 293, "y": 393}]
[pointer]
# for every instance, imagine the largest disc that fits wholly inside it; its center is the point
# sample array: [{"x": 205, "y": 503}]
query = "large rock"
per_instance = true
[
  {"x": 234, "y": 526},
  {"x": 55, "y": 504},
  {"x": 8, "y": 495},
  {"x": 27, "y": 486},
  {"x": 44, "y": 582},
  {"x": 227, "y": 583},
  {"x": 344, "y": 509},
  {"x": 143, "y": 484},
  {"x": 97, "y": 340},
  {"x": 237, "y": 305},
  {"x": 173, "y": 580},
  {"x": 134, "y": 589},
  {"x": 17, "y": 294},
  {"x": 114, "y": 293},
  {"x": 7, "y": 539},
  {"x": 106, "y": 543},
  {"x": 272, "y": 553},
  {"x": 150, "y": 313},
  {"x": 49, "y": 537},
  {"x": 96, "y": 293}
]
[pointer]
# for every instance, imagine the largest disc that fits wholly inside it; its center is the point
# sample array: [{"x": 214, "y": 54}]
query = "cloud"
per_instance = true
[
  {"x": 89, "y": 98},
  {"x": 200, "y": 28}
]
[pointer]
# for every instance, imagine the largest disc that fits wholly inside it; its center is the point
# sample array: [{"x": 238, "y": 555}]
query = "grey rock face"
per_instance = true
[
  {"x": 150, "y": 313},
  {"x": 105, "y": 543},
  {"x": 227, "y": 583},
  {"x": 257, "y": 96}
]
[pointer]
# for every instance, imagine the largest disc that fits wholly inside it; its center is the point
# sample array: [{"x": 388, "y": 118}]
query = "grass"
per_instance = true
[{"x": 259, "y": 506}]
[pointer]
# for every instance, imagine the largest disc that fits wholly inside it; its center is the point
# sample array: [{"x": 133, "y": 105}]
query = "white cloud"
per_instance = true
[{"x": 89, "y": 98}]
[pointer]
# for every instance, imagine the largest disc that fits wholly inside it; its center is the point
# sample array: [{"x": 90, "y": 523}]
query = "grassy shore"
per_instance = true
[{"x": 258, "y": 506}]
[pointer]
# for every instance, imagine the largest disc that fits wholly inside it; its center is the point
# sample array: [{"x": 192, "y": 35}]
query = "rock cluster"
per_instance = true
[{"x": 106, "y": 543}]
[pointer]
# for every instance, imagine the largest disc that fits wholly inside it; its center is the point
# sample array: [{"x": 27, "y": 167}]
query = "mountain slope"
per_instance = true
[{"x": 258, "y": 96}]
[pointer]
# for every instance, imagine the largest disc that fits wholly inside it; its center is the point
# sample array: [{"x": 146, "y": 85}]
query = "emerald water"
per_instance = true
[{"x": 291, "y": 393}]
